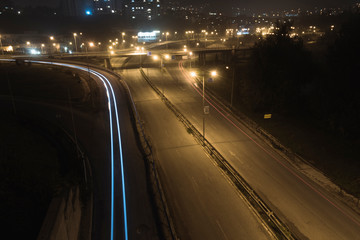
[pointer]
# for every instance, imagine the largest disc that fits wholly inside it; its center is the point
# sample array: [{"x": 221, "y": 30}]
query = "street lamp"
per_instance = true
[
  {"x": 156, "y": 57},
  {"x": 122, "y": 38},
  {"x": 232, "y": 83},
  {"x": 205, "y": 108},
  {"x": 190, "y": 55},
  {"x": 42, "y": 48},
  {"x": 75, "y": 41},
  {"x": 141, "y": 50}
]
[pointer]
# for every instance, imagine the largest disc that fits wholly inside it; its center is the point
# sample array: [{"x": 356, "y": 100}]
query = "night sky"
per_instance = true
[{"x": 253, "y": 4}]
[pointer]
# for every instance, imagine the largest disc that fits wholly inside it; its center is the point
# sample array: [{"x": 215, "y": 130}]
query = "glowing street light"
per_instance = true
[
  {"x": 74, "y": 34},
  {"x": 205, "y": 109},
  {"x": 42, "y": 48},
  {"x": 51, "y": 38}
]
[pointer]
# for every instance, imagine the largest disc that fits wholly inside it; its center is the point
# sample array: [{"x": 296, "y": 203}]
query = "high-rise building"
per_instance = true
[
  {"x": 106, "y": 6},
  {"x": 75, "y": 7},
  {"x": 144, "y": 9}
]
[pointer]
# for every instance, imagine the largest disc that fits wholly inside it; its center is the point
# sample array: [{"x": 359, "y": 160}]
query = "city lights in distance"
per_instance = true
[{"x": 34, "y": 52}]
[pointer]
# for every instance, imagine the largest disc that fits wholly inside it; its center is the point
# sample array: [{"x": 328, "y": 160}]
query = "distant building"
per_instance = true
[
  {"x": 75, "y": 7},
  {"x": 106, "y": 6},
  {"x": 143, "y": 9}
]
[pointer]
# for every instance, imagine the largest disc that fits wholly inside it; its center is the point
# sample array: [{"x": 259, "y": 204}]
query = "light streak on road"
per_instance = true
[
  {"x": 110, "y": 98},
  {"x": 236, "y": 124}
]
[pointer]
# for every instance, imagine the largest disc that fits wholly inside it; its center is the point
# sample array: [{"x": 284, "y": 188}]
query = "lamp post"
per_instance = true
[
  {"x": 190, "y": 55},
  {"x": 205, "y": 108},
  {"x": 232, "y": 86},
  {"x": 166, "y": 36},
  {"x": 75, "y": 41},
  {"x": 155, "y": 57},
  {"x": 122, "y": 38},
  {"x": 52, "y": 43},
  {"x": 141, "y": 50}
]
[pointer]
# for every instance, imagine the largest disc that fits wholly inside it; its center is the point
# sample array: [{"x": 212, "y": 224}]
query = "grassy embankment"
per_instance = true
[
  {"x": 334, "y": 155},
  {"x": 36, "y": 160}
]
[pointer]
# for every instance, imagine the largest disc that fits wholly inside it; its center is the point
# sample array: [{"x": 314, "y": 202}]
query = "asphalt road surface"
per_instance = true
[
  {"x": 307, "y": 209},
  {"x": 202, "y": 202}
]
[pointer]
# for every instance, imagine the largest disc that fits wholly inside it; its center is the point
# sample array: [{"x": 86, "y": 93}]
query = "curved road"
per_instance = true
[{"x": 122, "y": 206}]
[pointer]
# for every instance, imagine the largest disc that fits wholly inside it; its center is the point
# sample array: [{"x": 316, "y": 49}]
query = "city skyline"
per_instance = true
[{"x": 253, "y": 4}]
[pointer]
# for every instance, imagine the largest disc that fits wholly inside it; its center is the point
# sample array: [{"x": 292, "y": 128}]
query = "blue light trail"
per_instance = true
[{"x": 107, "y": 85}]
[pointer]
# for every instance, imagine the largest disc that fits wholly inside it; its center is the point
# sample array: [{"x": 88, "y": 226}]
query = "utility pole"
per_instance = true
[
  {"x": 232, "y": 86},
  {"x": 75, "y": 41}
]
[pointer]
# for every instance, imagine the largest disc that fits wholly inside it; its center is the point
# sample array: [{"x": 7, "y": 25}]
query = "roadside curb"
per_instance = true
[{"x": 166, "y": 223}]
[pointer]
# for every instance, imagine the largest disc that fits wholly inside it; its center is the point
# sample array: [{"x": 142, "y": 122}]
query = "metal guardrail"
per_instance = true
[
  {"x": 278, "y": 229},
  {"x": 168, "y": 229}
]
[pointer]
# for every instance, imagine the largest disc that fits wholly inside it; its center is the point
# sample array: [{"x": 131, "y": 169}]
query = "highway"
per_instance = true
[
  {"x": 122, "y": 206},
  {"x": 309, "y": 211},
  {"x": 202, "y": 201}
]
